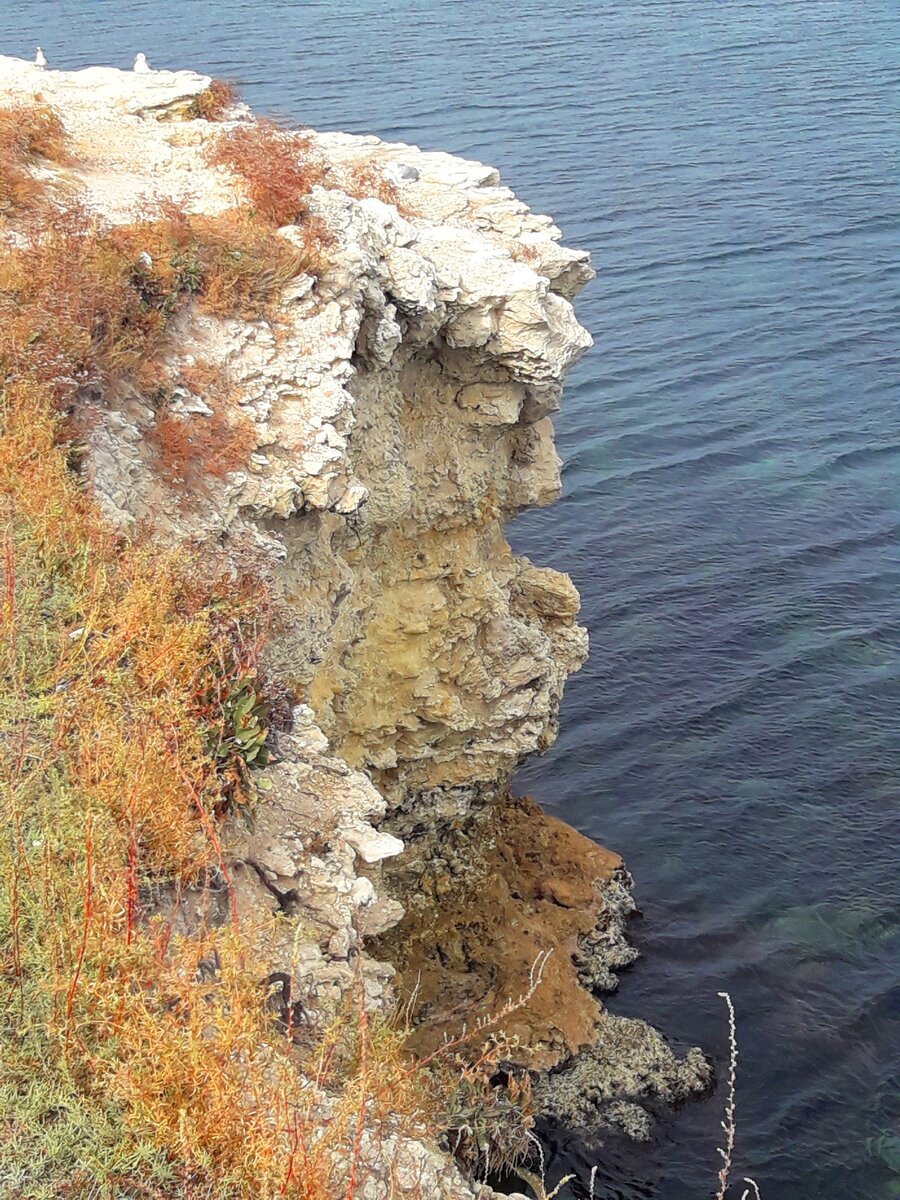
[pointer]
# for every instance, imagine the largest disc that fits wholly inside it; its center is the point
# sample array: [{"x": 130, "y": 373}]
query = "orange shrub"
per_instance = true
[
  {"x": 28, "y": 133},
  {"x": 214, "y": 102},
  {"x": 73, "y": 306},
  {"x": 195, "y": 447},
  {"x": 277, "y": 168}
]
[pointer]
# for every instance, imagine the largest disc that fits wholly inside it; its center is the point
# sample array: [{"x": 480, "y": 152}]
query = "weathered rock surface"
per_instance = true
[
  {"x": 302, "y": 858},
  {"x": 400, "y": 412},
  {"x": 503, "y": 890},
  {"x": 510, "y": 886}
]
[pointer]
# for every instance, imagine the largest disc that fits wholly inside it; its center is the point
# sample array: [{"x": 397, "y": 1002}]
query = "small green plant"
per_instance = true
[
  {"x": 188, "y": 271},
  {"x": 246, "y": 717},
  {"x": 236, "y": 714}
]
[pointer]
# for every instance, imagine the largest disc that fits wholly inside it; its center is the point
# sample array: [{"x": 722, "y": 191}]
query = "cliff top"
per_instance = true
[
  {"x": 144, "y": 131},
  {"x": 406, "y": 245}
]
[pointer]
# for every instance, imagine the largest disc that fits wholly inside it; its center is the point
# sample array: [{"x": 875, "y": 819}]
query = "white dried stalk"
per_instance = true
[{"x": 728, "y": 1124}]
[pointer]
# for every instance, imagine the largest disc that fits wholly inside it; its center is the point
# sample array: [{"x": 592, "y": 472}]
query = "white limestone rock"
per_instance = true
[{"x": 371, "y": 845}]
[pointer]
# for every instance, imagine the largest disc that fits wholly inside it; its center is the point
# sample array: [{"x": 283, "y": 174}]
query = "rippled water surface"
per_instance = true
[{"x": 731, "y": 489}]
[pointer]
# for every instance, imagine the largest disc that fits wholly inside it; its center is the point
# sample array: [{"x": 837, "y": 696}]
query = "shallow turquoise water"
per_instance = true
[{"x": 732, "y": 490}]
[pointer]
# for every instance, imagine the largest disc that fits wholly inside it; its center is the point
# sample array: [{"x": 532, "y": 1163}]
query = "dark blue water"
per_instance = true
[{"x": 732, "y": 489}]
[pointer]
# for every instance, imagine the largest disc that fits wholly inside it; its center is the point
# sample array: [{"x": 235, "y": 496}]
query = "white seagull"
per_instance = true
[
  {"x": 146, "y": 262},
  {"x": 141, "y": 66},
  {"x": 400, "y": 173},
  {"x": 40, "y": 59}
]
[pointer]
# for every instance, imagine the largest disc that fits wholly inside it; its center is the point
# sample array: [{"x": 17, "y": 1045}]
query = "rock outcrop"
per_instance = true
[{"x": 400, "y": 410}]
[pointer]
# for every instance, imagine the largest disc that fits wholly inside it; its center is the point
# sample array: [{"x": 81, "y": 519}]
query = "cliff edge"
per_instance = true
[{"x": 352, "y": 437}]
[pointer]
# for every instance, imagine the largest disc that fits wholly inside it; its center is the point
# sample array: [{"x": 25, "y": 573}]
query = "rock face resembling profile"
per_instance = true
[{"x": 400, "y": 407}]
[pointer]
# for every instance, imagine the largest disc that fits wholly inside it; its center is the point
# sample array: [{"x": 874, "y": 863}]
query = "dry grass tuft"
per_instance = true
[
  {"x": 246, "y": 266},
  {"x": 192, "y": 447},
  {"x": 197, "y": 447},
  {"x": 73, "y": 307},
  {"x": 214, "y": 102},
  {"x": 729, "y": 1125},
  {"x": 231, "y": 264},
  {"x": 278, "y": 168},
  {"x": 366, "y": 178},
  {"x": 28, "y": 134}
]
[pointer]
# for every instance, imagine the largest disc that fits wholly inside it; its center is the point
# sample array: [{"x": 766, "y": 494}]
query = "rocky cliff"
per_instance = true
[{"x": 396, "y": 410}]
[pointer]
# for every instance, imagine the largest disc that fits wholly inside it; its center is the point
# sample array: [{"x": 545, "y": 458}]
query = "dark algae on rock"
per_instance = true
[{"x": 489, "y": 892}]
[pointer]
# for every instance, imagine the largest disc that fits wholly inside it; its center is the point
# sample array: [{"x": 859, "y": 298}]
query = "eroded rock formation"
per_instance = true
[{"x": 400, "y": 412}]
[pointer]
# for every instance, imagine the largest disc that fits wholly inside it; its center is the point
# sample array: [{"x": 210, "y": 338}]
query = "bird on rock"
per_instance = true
[
  {"x": 40, "y": 59},
  {"x": 400, "y": 172},
  {"x": 141, "y": 65}
]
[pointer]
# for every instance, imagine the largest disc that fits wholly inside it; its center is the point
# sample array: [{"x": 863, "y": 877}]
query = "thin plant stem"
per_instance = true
[{"x": 728, "y": 1125}]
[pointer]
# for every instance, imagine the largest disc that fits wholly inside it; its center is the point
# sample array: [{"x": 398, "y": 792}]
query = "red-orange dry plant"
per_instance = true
[
  {"x": 192, "y": 447},
  {"x": 367, "y": 178},
  {"x": 214, "y": 102},
  {"x": 29, "y": 134},
  {"x": 128, "y": 1066},
  {"x": 277, "y": 167}
]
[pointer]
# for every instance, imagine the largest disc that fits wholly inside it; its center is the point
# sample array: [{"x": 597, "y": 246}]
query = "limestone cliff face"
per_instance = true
[
  {"x": 400, "y": 408},
  {"x": 400, "y": 415},
  {"x": 400, "y": 412}
]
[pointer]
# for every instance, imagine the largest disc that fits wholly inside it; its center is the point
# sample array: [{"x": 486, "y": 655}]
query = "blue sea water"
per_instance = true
[{"x": 732, "y": 491}]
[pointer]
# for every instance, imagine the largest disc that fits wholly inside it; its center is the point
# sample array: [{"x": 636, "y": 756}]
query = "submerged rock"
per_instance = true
[
  {"x": 627, "y": 1066},
  {"x": 488, "y": 892}
]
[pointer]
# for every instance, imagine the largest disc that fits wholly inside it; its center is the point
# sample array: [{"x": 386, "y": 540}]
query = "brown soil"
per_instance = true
[{"x": 481, "y": 907}]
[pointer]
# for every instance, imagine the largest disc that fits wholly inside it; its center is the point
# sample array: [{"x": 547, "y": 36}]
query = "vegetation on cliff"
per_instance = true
[
  {"x": 187, "y": 360},
  {"x": 28, "y": 133},
  {"x": 135, "y": 1061}
]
